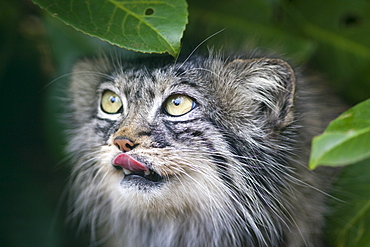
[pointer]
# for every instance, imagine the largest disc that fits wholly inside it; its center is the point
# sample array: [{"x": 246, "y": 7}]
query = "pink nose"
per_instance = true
[
  {"x": 126, "y": 161},
  {"x": 123, "y": 144}
]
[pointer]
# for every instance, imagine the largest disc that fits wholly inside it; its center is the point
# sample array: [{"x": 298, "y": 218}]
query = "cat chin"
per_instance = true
[
  {"x": 140, "y": 183},
  {"x": 171, "y": 196}
]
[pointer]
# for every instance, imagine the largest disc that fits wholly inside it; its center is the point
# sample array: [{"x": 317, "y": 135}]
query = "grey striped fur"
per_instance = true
[{"x": 234, "y": 168}]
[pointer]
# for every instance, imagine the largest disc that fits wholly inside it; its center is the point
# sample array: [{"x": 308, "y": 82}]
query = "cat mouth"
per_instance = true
[{"x": 136, "y": 173}]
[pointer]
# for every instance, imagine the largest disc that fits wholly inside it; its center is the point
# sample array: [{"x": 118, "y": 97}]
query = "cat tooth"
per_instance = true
[
  {"x": 126, "y": 172},
  {"x": 147, "y": 173}
]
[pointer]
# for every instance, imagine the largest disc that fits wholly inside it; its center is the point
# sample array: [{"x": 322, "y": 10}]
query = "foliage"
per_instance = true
[
  {"x": 329, "y": 36},
  {"x": 145, "y": 26},
  {"x": 348, "y": 223},
  {"x": 346, "y": 140}
]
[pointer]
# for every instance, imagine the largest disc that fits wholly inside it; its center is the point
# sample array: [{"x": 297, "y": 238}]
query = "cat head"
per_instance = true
[{"x": 193, "y": 138}]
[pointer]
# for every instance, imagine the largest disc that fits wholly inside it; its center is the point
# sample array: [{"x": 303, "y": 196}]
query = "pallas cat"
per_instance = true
[{"x": 210, "y": 151}]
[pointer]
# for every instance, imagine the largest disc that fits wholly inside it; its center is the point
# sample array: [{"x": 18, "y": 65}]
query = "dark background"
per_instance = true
[{"x": 35, "y": 49}]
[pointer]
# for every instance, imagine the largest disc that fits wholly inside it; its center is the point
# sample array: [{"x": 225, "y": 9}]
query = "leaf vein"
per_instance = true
[{"x": 141, "y": 20}]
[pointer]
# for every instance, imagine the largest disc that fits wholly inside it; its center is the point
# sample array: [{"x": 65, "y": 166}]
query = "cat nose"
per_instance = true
[{"x": 124, "y": 144}]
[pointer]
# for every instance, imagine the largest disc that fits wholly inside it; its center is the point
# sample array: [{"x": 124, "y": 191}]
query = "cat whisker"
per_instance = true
[{"x": 199, "y": 45}]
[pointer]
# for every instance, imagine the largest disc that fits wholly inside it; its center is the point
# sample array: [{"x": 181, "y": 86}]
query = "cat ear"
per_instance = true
[{"x": 271, "y": 83}]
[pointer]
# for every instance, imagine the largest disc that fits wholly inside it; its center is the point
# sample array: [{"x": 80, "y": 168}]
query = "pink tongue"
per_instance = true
[{"x": 129, "y": 163}]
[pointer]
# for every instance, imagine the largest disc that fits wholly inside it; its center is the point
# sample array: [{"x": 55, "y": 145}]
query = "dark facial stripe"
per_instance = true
[
  {"x": 184, "y": 130},
  {"x": 176, "y": 122},
  {"x": 159, "y": 139},
  {"x": 105, "y": 127}
]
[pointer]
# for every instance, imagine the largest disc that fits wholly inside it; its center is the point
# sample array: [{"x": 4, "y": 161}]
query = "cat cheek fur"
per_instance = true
[{"x": 231, "y": 167}]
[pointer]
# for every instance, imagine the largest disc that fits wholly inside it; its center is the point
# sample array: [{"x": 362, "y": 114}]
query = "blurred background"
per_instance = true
[{"x": 37, "y": 52}]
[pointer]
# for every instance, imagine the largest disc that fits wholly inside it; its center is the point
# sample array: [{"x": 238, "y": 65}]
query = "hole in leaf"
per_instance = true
[
  {"x": 351, "y": 20},
  {"x": 149, "y": 11}
]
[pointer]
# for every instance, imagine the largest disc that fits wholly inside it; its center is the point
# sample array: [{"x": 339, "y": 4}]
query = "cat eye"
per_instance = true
[
  {"x": 111, "y": 103},
  {"x": 178, "y": 105}
]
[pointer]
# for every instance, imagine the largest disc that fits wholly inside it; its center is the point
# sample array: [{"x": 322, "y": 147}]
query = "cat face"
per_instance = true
[{"x": 198, "y": 139}]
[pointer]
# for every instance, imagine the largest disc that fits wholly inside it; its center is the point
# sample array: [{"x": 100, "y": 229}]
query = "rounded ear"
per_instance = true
[{"x": 274, "y": 85}]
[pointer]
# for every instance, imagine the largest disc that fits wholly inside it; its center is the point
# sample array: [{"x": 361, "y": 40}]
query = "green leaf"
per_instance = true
[
  {"x": 345, "y": 141},
  {"x": 153, "y": 26}
]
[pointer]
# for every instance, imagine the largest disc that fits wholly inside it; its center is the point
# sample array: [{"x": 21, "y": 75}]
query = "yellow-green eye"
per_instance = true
[
  {"x": 177, "y": 105},
  {"x": 111, "y": 103}
]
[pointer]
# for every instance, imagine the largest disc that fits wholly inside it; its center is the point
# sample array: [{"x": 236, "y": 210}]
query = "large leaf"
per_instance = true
[
  {"x": 144, "y": 26},
  {"x": 346, "y": 140}
]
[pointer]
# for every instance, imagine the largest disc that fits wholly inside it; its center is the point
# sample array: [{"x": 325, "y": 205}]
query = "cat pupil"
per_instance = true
[
  {"x": 177, "y": 101},
  {"x": 113, "y": 99}
]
